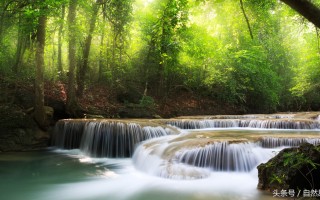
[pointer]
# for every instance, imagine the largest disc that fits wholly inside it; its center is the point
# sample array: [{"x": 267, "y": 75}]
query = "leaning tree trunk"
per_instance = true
[
  {"x": 39, "y": 112},
  {"x": 307, "y": 9},
  {"x": 72, "y": 104},
  {"x": 84, "y": 66},
  {"x": 246, "y": 18}
]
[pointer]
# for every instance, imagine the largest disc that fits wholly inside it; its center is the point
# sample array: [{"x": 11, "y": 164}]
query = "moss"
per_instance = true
[
  {"x": 293, "y": 168},
  {"x": 13, "y": 117},
  {"x": 18, "y": 131}
]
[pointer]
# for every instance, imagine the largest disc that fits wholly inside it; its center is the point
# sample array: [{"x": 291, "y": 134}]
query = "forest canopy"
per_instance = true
[{"x": 260, "y": 56}]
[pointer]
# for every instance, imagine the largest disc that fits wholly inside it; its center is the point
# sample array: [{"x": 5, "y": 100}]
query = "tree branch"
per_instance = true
[
  {"x": 247, "y": 20},
  {"x": 307, "y": 9}
]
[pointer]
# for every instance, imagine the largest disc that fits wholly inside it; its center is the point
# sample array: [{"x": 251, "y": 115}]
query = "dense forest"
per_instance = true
[{"x": 248, "y": 55}]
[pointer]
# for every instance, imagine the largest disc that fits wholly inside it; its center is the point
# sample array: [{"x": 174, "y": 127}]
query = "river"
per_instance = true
[{"x": 106, "y": 160}]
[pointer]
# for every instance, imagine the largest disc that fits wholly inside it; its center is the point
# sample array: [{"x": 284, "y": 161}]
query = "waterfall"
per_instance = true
[
  {"x": 281, "y": 124},
  {"x": 246, "y": 123},
  {"x": 272, "y": 142},
  {"x": 158, "y": 150},
  {"x": 165, "y": 158},
  {"x": 223, "y": 156},
  {"x": 274, "y": 116},
  {"x": 103, "y": 138},
  {"x": 150, "y": 157},
  {"x": 67, "y": 134},
  {"x": 200, "y": 124}
]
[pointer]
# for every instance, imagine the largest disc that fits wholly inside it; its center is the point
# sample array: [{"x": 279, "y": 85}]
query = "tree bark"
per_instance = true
[
  {"x": 86, "y": 51},
  {"x": 39, "y": 112},
  {"x": 246, "y": 17},
  {"x": 101, "y": 59},
  {"x": 318, "y": 41},
  {"x": 72, "y": 104},
  {"x": 307, "y": 9},
  {"x": 2, "y": 16},
  {"x": 60, "y": 68}
]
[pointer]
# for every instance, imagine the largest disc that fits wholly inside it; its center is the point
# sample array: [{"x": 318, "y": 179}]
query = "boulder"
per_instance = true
[
  {"x": 18, "y": 131},
  {"x": 296, "y": 169}
]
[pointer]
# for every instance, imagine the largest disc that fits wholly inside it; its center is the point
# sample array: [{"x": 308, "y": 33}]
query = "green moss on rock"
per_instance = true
[
  {"x": 293, "y": 168},
  {"x": 13, "y": 117},
  {"x": 18, "y": 131}
]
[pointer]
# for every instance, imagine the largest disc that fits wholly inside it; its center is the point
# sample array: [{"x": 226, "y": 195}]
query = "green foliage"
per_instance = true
[
  {"x": 276, "y": 179},
  {"x": 147, "y": 102},
  {"x": 163, "y": 36},
  {"x": 118, "y": 13},
  {"x": 292, "y": 163},
  {"x": 306, "y": 80},
  {"x": 160, "y": 44},
  {"x": 298, "y": 159}
]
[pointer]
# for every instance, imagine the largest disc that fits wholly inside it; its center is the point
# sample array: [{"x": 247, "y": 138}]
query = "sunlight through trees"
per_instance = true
[{"x": 261, "y": 56}]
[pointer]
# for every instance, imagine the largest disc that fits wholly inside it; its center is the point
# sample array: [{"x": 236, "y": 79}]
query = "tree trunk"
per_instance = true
[
  {"x": 113, "y": 58},
  {"x": 318, "y": 41},
  {"x": 21, "y": 46},
  {"x": 72, "y": 104},
  {"x": 162, "y": 63},
  {"x": 101, "y": 59},
  {"x": 84, "y": 66},
  {"x": 39, "y": 112},
  {"x": 246, "y": 17},
  {"x": 60, "y": 68},
  {"x": 1, "y": 25},
  {"x": 2, "y": 19},
  {"x": 307, "y": 9}
]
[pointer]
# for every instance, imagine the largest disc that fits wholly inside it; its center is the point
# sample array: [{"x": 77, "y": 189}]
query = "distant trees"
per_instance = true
[
  {"x": 247, "y": 53},
  {"x": 164, "y": 38},
  {"x": 83, "y": 67},
  {"x": 72, "y": 104}
]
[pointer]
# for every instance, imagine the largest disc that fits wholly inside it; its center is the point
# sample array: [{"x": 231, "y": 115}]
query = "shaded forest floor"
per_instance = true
[{"x": 105, "y": 101}]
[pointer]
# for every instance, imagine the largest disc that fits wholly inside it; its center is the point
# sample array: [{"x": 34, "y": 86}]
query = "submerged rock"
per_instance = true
[{"x": 295, "y": 169}]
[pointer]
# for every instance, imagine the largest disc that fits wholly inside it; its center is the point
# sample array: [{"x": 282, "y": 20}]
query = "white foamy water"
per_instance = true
[
  {"x": 127, "y": 183},
  {"x": 216, "y": 160}
]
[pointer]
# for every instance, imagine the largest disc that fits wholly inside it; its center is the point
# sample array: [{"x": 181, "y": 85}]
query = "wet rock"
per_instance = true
[
  {"x": 59, "y": 108},
  {"x": 18, "y": 131},
  {"x": 297, "y": 169}
]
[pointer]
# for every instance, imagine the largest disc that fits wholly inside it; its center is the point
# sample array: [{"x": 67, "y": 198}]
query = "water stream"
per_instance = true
[
  {"x": 69, "y": 175},
  {"x": 150, "y": 159}
]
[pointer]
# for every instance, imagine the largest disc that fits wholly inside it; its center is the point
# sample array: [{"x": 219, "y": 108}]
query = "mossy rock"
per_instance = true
[
  {"x": 12, "y": 116},
  {"x": 18, "y": 131},
  {"x": 293, "y": 168}
]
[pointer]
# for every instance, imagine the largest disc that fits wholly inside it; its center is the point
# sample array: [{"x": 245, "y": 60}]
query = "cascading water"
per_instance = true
[
  {"x": 103, "y": 138},
  {"x": 247, "y": 123},
  {"x": 223, "y": 156},
  {"x": 67, "y": 134},
  {"x": 151, "y": 157},
  {"x": 273, "y": 142},
  {"x": 176, "y": 160},
  {"x": 221, "y": 152}
]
